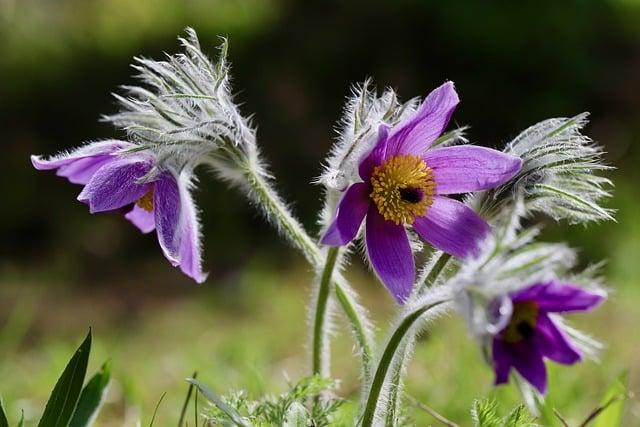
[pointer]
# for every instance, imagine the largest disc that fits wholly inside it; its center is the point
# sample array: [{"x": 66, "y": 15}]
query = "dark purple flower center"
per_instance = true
[
  {"x": 411, "y": 195},
  {"x": 523, "y": 321}
]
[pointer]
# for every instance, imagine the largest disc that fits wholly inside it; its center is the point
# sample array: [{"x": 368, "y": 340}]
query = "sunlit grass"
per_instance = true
[{"x": 248, "y": 332}]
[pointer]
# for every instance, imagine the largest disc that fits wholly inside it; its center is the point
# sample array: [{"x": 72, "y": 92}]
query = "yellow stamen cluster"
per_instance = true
[
  {"x": 402, "y": 188},
  {"x": 523, "y": 322},
  {"x": 146, "y": 201}
]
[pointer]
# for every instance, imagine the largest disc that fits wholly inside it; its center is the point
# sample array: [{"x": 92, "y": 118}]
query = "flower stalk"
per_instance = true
[
  {"x": 320, "y": 330},
  {"x": 387, "y": 358}
]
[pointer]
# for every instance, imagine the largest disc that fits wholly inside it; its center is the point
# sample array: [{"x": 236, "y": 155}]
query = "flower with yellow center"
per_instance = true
[
  {"x": 407, "y": 182},
  {"x": 402, "y": 188}
]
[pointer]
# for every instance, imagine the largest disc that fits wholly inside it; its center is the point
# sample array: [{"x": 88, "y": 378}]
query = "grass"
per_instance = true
[{"x": 249, "y": 333}]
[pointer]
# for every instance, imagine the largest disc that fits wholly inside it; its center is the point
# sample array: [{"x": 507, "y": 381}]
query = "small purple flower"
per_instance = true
[
  {"x": 406, "y": 183},
  {"x": 531, "y": 334},
  {"x": 111, "y": 181}
]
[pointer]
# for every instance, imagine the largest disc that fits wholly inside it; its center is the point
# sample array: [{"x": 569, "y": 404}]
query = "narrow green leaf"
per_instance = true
[
  {"x": 219, "y": 402},
  {"x": 21, "y": 422},
  {"x": 65, "y": 394},
  {"x": 609, "y": 413},
  {"x": 3, "y": 418},
  {"x": 92, "y": 397}
]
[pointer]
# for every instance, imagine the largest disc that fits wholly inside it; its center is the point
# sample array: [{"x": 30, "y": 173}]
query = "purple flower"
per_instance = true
[
  {"x": 532, "y": 335},
  {"x": 111, "y": 181},
  {"x": 406, "y": 183}
]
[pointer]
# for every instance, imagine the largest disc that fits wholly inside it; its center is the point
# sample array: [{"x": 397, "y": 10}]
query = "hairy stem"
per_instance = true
[
  {"x": 386, "y": 361},
  {"x": 360, "y": 330},
  {"x": 437, "y": 268},
  {"x": 278, "y": 213},
  {"x": 320, "y": 331}
]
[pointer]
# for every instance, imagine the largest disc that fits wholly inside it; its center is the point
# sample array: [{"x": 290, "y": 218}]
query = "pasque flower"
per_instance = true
[
  {"x": 116, "y": 176},
  {"x": 405, "y": 182},
  {"x": 531, "y": 334}
]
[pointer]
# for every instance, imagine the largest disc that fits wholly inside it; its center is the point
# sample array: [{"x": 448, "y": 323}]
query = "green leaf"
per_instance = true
[
  {"x": 609, "y": 413},
  {"x": 65, "y": 394},
  {"x": 92, "y": 397},
  {"x": 3, "y": 418},
  {"x": 21, "y": 422},
  {"x": 220, "y": 403}
]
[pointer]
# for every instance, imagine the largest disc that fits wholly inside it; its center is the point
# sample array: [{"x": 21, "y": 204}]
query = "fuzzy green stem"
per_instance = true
[
  {"x": 320, "y": 315},
  {"x": 349, "y": 306},
  {"x": 279, "y": 215},
  {"x": 438, "y": 267},
  {"x": 386, "y": 360}
]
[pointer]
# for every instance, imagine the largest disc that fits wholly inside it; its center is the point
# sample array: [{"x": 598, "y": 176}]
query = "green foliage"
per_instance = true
[
  {"x": 66, "y": 393},
  {"x": 485, "y": 414},
  {"x": 92, "y": 397},
  {"x": 3, "y": 417},
  {"x": 609, "y": 413},
  {"x": 70, "y": 404},
  {"x": 301, "y": 405}
]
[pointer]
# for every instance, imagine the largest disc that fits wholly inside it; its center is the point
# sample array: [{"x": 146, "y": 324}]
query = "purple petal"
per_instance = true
[
  {"x": 377, "y": 155},
  {"x": 89, "y": 150},
  {"x": 501, "y": 361},
  {"x": 466, "y": 168},
  {"x": 390, "y": 254},
  {"x": 349, "y": 215},
  {"x": 142, "y": 219},
  {"x": 559, "y": 297},
  {"x": 553, "y": 343},
  {"x": 81, "y": 171},
  {"x": 416, "y": 134},
  {"x": 177, "y": 225},
  {"x": 527, "y": 360},
  {"x": 116, "y": 185},
  {"x": 166, "y": 205},
  {"x": 190, "y": 248},
  {"x": 452, "y": 227}
]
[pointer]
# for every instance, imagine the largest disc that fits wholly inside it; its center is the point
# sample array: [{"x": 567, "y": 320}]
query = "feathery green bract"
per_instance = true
[
  {"x": 612, "y": 404},
  {"x": 92, "y": 397},
  {"x": 560, "y": 169},
  {"x": 67, "y": 390},
  {"x": 485, "y": 414},
  {"x": 300, "y": 405}
]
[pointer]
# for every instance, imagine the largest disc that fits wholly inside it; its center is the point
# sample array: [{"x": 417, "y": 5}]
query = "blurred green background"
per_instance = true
[{"x": 62, "y": 270}]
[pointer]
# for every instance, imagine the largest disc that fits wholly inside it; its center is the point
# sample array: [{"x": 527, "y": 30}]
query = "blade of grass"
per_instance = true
[
  {"x": 186, "y": 402},
  {"x": 3, "y": 417},
  {"x": 609, "y": 413},
  {"x": 92, "y": 397},
  {"x": 66, "y": 392},
  {"x": 219, "y": 402},
  {"x": 155, "y": 411}
]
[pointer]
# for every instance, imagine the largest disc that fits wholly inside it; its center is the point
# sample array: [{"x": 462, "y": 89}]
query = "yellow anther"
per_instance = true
[
  {"x": 402, "y": 188},
  {"x": 146, "y": 201}
]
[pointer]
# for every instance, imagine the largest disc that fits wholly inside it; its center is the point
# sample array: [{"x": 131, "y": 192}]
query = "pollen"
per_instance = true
[
  {"x": 523, "y": 322},
  {"x": 402, "y": 188},
  {"x": 146, "y": 201}
]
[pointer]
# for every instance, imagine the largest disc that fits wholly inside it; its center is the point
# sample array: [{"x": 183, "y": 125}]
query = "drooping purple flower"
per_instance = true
[
  {"x": 531, "y": 334},
  {"x": 407, "y": 183},
  {"x": 112, "y": 181}
]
